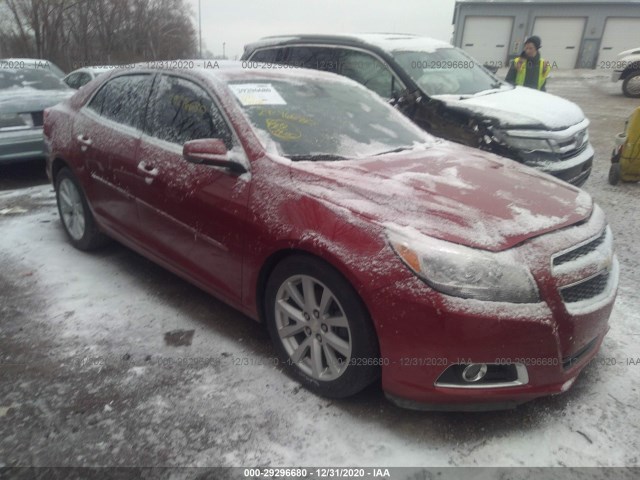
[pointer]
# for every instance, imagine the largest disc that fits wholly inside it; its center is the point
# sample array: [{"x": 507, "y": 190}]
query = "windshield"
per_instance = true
[
  {"x": 17, "y": 74},
  {"x": 323, "y": 120},
  {"x": 445, "y": 71}
]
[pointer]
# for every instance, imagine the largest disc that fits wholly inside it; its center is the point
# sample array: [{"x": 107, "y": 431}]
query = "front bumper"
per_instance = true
[
  {"x": 21, "y": 145},
  {"x": 574, "y": 170},
  {"x": 422, "y": 333},
  {"x": 465, "y": 335},
  {"x": 616, "y": 75}
]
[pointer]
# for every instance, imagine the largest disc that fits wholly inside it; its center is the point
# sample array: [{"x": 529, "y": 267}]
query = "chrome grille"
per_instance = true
[
  {"x": 580, "y": 251},
  {"x": 587, "y": 274},
  {"x": 574, "y": 153}
]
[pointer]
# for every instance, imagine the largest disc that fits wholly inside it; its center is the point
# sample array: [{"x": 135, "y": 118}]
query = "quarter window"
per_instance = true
[
  {"x": 266, "y": 56},
  {"x": 123, "y": 99},
  {"x": 183, "y": 111}
]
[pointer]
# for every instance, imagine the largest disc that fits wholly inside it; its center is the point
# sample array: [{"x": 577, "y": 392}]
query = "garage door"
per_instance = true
[
  {"x": 619, "y": 34},
  {"x": 561, "y": 38},
  {"x": 487, "y": 38}
]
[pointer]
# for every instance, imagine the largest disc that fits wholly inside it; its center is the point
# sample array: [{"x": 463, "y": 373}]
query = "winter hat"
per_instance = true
[{"x": 535, "y": 40}]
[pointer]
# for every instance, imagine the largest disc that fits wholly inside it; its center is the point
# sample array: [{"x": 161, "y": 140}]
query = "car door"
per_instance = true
[
  {"x": 107, "y": 131},
  {"x": 193, "y": 214},
  {"x": 359, "y": 65}
]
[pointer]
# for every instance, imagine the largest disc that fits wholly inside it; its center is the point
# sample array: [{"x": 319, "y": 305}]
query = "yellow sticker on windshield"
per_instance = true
[
  {"x": 289, "y": 116},
  {"x": 282, "y": 129}
]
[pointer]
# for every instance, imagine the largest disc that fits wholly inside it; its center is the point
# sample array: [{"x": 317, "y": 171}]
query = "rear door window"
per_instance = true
[
  {"x": 267, "y": 55},
  {"x": 123, "y": 99},
  {"x": 83, "y": 79},
  {"x": 317, "y": 58}
]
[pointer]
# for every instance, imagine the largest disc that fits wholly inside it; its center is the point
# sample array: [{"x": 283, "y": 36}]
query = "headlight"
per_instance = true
[
  {"x": 525, "y": 143},
  {"x": 528, "y": 144},
  {"x": 463, "y": 271}
]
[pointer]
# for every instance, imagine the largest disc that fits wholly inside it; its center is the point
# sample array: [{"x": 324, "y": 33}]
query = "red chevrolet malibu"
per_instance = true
[{"x": 369, "y": 248}]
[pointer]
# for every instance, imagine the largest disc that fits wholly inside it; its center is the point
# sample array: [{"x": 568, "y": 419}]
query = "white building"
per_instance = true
[{"x": 585, "y": 34}]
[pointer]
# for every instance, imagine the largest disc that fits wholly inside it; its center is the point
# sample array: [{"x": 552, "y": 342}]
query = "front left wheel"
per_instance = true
[
  {"x": 631, "y": 85},
  {"x": 75, "y": 215},
  {"x": 320, "y": 328}
]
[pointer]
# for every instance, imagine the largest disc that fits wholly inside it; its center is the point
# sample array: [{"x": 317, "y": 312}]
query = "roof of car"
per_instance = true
[
  {"x": 385, "y": 41},
  {"x": 99, "y": 69},
  {"x": 236, "y": 70}
]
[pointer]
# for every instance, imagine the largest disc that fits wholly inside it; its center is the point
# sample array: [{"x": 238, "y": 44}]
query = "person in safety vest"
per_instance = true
[{"x": 529, "y": 69}]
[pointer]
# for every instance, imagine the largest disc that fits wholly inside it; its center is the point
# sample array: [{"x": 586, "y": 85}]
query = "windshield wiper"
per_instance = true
[
  {"x": 395, "y": 150},
  {"x": 495, "y": 88},
  {"x": 319, "y": 156}
]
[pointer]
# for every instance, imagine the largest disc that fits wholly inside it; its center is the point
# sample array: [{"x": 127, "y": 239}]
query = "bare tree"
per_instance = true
[{"x": 84, "y": 32}]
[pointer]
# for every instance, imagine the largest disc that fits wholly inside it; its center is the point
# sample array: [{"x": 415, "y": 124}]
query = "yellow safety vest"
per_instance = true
[{"x": 522, "y": 72}]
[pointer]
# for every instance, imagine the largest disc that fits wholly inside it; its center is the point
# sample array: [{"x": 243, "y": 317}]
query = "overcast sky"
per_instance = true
[{"x": 244, "y": 21}]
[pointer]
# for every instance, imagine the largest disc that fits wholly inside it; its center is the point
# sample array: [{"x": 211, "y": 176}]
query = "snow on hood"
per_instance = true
[
  {"x": 631, "y": 51},
  {"x": 31, "y": 100},
  {"x": 449, "y": 192},
  {"x": 520, "y": 107}
]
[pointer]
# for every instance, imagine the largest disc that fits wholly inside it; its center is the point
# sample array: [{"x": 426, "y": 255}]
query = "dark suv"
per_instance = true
[{"x": 447, "y": 93}]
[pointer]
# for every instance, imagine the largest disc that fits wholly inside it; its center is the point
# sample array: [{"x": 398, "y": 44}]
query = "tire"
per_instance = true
[
  {"x": 631, "y": 85},
  {"x": 333, "y": 358},
  {"x": 75, "y": 214},
  {"x": 614, "y": 174}
]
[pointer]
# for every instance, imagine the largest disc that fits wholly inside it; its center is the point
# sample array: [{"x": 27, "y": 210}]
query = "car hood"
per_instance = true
[
  {"x": 31, "y": 100},
  {"x": 449, "y": 192},
  {"x": 518, "y": 107},
  {"x": 631, "y": 52}
]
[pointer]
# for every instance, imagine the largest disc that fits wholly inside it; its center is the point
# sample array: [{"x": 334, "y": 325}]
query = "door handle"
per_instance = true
[
  {"x": 85, "y": 141},
  {"x": 147, "y": 169}
]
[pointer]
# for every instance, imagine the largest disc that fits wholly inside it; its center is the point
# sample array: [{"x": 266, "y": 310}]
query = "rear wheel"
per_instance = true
[
  {"x": 614, "y": 174},
  {"x": 320, "y": 328},
  {"x": 75, "y": 215},
  {"x": 631, "y": 85}
]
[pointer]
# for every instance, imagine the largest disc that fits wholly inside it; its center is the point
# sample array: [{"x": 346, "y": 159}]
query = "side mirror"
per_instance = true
[{"x": 210, "y": 151}]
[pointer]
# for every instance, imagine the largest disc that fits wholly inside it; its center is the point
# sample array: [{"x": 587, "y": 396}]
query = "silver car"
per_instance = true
[
  {"x": 80, "y": 77},
  {"x": 27, "y": 87}
]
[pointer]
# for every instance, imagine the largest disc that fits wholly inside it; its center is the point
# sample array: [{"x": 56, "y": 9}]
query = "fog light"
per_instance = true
[{"x": 474, "y": 372}]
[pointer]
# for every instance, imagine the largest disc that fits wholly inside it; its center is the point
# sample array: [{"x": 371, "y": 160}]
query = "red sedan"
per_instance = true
[{"x": 369, "y": 248}]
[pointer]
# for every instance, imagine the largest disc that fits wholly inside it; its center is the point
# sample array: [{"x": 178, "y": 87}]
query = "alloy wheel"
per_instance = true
[{"x": 313, "y": 327}]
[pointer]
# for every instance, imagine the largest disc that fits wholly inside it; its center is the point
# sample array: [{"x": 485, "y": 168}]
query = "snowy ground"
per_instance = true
[{"x": 92, "y": 376}]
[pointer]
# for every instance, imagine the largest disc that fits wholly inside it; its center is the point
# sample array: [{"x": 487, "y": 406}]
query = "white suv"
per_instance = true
[
  {"x": 448, "y": 93},
  {"x": 627, "y": 68}
]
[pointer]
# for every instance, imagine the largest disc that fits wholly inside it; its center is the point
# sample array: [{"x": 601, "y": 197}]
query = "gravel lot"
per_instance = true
[{"x": 108, "y": 360}]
